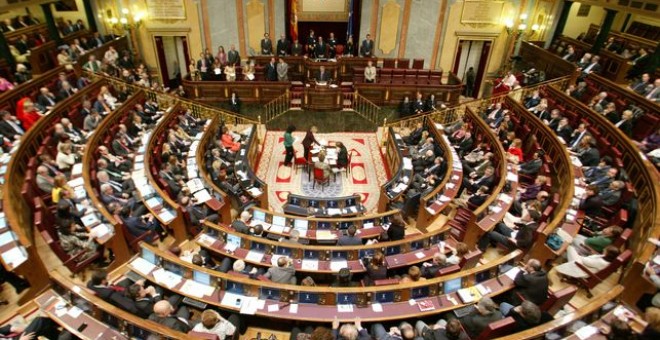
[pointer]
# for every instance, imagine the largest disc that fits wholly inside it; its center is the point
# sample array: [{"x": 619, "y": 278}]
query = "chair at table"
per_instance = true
[
  {"x": 299, "y": 161},
  {"x": 320, "y": 179}
]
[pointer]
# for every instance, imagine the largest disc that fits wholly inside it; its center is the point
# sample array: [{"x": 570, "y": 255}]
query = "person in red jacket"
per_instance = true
[{"x": 27, "y": 113}]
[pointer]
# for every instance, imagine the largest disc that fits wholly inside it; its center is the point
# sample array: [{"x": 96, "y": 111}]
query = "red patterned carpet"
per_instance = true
[{"x": 366, "y": 176}]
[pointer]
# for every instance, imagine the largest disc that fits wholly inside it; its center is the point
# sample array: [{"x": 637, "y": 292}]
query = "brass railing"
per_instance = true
[
  {"x": 197, "y": 109},
  {"x": 276, "y": 107},
  {"x": 365, "y": 108}
]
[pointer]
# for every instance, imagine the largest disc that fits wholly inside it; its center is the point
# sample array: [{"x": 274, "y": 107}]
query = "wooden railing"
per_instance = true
[
  {"x": 197, "y": 109},
  {"x": 276, "y": 107},
  {"x": 553, "y": 65}
]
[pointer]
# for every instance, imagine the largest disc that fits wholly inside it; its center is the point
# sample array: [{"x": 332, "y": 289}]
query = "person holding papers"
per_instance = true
[
  {"x": 283, "y": 273},
  {"x": 308, "y": 141},
  {"x": 531, "y": 284}
]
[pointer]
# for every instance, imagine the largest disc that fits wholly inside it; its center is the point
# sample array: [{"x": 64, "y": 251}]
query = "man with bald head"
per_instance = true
[
  {"x": 164, "y": 315},
  {"x": 531, "y": 284}
]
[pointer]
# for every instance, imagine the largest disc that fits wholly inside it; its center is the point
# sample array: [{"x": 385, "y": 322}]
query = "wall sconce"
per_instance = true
[{"x": 124, "y": 22}]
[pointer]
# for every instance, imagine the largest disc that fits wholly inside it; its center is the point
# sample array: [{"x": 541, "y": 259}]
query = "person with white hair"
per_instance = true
[
  {"x": 164, "y": 315},
  {"x": 241, "y": 224}
]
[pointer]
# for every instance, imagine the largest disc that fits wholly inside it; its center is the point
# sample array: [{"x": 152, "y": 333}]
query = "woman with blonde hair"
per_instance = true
[
  {"x": 60, "y": 184},
  {"x": 515, "y": 153},
  {"x": 27, "y": 113}
]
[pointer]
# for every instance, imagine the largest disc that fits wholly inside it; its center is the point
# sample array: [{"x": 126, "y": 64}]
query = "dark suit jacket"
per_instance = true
[
  {"x": 233, "y": 57},
  {"x": 590, "y": 157},
  {"x": 418, "y": 106},
  {"x": 475, "y": 323},
  {"x": 591, "y": 205},
  {"x": 282, "y": 47},
  {"x": 323, "y": 77},
  {"x": 349, "y": 241},
  {"x": 626, "y": 128},
  {"x": 145, "y": 306},
  {"x": 8, "y": 131},
  {"x": 271, "y": 72},
  {"x": 43, "y": 101},
  {"x": 171, "y": 322},
  {"x": 266, "y": 46},
  {"x": 531, "y": 167},
  {"x": 565, "y": 133},
  {"x": 114, "y": 297},
  {"x": 532, "y": 286},
  {"x": 240, "y": 226}
]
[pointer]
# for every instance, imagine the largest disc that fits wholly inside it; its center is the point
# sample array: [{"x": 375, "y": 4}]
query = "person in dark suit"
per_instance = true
[
  {"x": 271, "y": 70},
  {"x": 39, "y": 327},
  {"x": 46, "y": 98},
  {"x": 485, "y": 312},
  {"x": 266, "y": 45},
  {"x": 113, "y": 294},
  {"x": 503, "y": 235},
  {"x": 418, "y": 105},
  {"x": 234, "y": 103},
  {"x": 332, "y": 45},
  {"x": 415, "y": 135},
  {"x": 486, "y": 180},
  {"x": 233, "y": 57},
  {"x": 570, "y": 54},
  {"x": 641, "y": 64},
  {"x": 342, "y": 155},
  {"x": 625, "y": 124},
  {"x": 592, "y": 202},
  {"x": 163, "y": 313},
  {"x": 531, "y": 284},
  {"x": 397, "y": 230},
  {"x": 532, "y": 166},
  {"x": 322, "y": 75},
  {"x": 589, "y": 156},
  {"x": 367, "y": 47},
  {"x": 577, "y": 135},
  {"x": 533, "y": 100},
  {"x": 526, "y": 315},
  {"x": 311, "y": 43},
  {"x": 405, "y": 108},
  {"x": 198, "y": 214},
  {"x": 23, "y": 44},
  {"x": 593, "y": 67},
  {"x": 376, "y": 268},
  {"x": 144, "y": 298},
  {"x": 308, "y": 141},
  {"x": 296, "y": 48},
  {"x": 282, "y": 46},
  {"x": 138, "y": 225},
  {"x": 240, "y": 224},
  {"x": 10, "y": 127},
  {"x": 350, "y": 239},
  {"x": 320, "y": 48},
  {"x": 203, "y": 66},
  {"x": 564, "y": 130}
]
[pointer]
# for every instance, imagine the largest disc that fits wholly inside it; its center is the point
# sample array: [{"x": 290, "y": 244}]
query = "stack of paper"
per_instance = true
[
  {"x": 310, "y": 265},
  {"x": 166, "y": 216},
  {"x": 202, "y": 196},
  {"x": 254, "y": 256},
  {"x": 232, "y": 300},
  {"x": 165, "y": 278},
  {"x": 142, "y": 266},
  {"x": 336, "y": 265},
  {"x": 195, "y": 184}
]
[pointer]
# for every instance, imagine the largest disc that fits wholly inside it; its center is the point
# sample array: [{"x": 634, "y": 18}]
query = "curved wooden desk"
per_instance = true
[
  {"x": 398, "y": 254},
  {"x": 327, "y": 299}
]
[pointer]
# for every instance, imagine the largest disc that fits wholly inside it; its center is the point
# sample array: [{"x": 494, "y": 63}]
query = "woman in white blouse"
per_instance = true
[
  {"x": 370, "y": 72},
  {"x": 65, "y": 159},
  {"x": 594, "y": 263}
]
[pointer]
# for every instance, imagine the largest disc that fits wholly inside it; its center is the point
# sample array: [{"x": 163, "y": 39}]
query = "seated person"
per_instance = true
[
  {"x": 376, "y": 268},
  {"x": 403, "y": 331},
  {"x": 342, "y": 155},
  {"x": 598, "y": 242},
  {"x": 442, "y": 329},
  {"x": 431, "y": 269},
  {"x": 521, "y": 236},
  {"x": 144, "y": 298},
  {"x": 39, "y": 327},
  {"x": 484, "y": 313},
  {"x": 228, "y": 141},
  {"x": 344, "y": 279},
  {"x": 240, "y": 224},
  {"x": 350, "y": 239},
  {"x": 531, "y": 284},
  {"x": 213, "y": 323},
  {"x": 457, "y": 254},
  {"x": 594, "y": 263},
  {"x": 533, "y": 166},
  {"x": 526, "y": 315},
  {"x": 163, "y": 313},
  {"x": 283, "y": 273},
  {"x": 414, "y": 274},
  {"x": 612, "y": 194},
  {"x": 113, "y": 294},
  {"x": 532, "y": 190},
  {"x": 487, "y": 180},
  {"x": 75, "y": 239},
  {"x": 322, "y": 165}
]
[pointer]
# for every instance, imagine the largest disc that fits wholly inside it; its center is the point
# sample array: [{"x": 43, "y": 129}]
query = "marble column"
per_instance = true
[
  {"x": 563, "y": 17},
  {"x": 53, "y": 32},
  {"x": 604, "y": 30},
  {"x": 89, "y": 13},
  {"x": 5, "y": 53}
]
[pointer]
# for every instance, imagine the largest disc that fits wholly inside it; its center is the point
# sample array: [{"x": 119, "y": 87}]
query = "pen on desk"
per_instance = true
[{"x": 284, "y": 305}]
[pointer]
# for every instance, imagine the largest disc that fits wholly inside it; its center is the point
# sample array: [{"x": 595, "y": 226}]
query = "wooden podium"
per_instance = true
[{"x": 322, "y": 97}]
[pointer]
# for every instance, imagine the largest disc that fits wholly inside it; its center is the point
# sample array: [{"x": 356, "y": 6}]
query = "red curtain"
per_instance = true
[{"x": 293, "y": 22}]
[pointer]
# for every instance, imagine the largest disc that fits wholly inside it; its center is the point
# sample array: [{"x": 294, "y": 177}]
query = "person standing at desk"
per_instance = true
[
  {"x": 235, "y": 103},
  {"x": 266, "y": 45},
  {"x": 282, "y": 70},
  {"x": 309, "y": 140},
  {"x": 311, "y": 43},
  {"x": 320, "y": 48},
  {"x": 367, "y": 47},
  {"x": 271, "y": 70},
  {"x": 350, "y": 46},
  {"x": 288, "y": 144},
  {"x": 282, "y": 46},
  {"x": 233, "y": 58},
  {"x": 332, "y": 45},
  {"x": 418, "y": 105},
  {"x": 322, "y": 75},
  {"x": 342, "y": 155},
  {"x": 296, "y": 48}
]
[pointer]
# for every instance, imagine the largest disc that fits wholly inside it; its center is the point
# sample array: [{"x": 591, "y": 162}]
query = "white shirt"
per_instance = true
[{"x": 222, "y": 329}]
